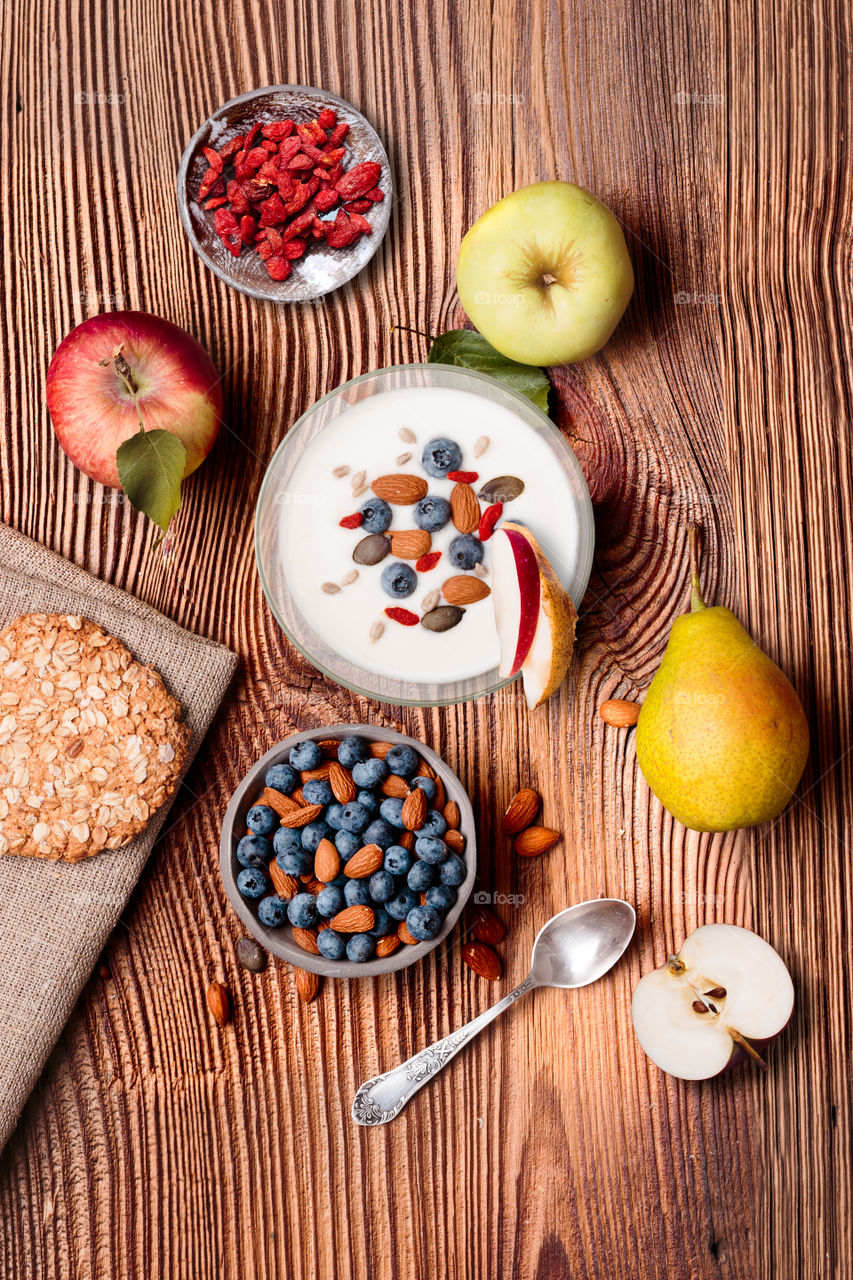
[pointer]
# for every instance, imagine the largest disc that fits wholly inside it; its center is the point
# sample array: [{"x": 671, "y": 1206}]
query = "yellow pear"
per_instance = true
[{"x": 722, "y": 738}]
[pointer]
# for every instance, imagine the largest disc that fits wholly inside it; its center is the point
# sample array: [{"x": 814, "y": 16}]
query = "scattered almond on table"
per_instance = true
[
  {"x": 219, "y": 1003},
  {"x": 619, "y": 713}
]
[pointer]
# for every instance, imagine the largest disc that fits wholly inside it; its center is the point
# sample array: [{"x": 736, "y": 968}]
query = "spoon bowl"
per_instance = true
[
  {"x": 579, "y": 945},
  {"x": 576, "y": 947}
]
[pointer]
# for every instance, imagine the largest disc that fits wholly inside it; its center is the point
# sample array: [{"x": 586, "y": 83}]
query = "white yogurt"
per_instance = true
[{"x": 314, "y": 548}]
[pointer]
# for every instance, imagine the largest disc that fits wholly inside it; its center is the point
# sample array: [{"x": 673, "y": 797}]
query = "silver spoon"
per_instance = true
[{"x": 573, "y": 949}]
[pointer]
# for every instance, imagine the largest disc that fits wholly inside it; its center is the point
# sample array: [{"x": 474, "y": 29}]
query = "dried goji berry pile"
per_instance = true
[{"x": 286, "y": 177}]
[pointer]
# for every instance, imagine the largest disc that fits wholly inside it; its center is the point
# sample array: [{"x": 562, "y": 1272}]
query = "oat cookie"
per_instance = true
[{"x": 91, "y": 741}]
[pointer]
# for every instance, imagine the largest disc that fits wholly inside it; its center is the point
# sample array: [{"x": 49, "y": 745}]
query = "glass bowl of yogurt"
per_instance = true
[{"x": 369, "y": 533}]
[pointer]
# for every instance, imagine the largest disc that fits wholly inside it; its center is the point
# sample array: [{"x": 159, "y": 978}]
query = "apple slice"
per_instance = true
[
  {"x": 515, "y": 595},
  {"x": 543, "y": 667},
  {"x": 725, "y": 992}
]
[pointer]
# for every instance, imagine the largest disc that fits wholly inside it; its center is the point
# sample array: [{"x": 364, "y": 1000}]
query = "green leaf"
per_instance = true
[
  {"x": 469, "y": 350},
  {"x": 150, "y": 467}
]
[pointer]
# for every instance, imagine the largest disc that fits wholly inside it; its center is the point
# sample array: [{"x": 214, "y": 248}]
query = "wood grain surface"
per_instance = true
[{"x": 158, "y": 1145}]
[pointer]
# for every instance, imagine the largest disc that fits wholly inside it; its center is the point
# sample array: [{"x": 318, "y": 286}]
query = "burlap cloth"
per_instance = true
[{"x": 55, "y": 917}]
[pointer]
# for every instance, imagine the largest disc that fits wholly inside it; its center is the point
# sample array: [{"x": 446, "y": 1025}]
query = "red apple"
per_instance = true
[
  {"x": 176, "y": 386},
  {"x": 515, "y": 596}
]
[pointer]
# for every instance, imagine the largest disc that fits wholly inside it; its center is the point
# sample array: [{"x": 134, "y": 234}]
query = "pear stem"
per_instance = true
[
  {"x": 696, "y": 601},
  {"x": 747, "y": 1047}
]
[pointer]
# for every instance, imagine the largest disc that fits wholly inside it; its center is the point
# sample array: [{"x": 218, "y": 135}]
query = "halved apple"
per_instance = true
[
  {"x": 725, "y": 995},
  {"x": 534, "y": 613}
]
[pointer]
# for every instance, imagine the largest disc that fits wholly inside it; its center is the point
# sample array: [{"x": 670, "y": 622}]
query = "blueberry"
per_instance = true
[
  {"x": 341, "y": 880},
  {"x": 313, "y": 833},
  {"x": 369, "y": 773},
  {"x": 381, "y": 833},
  {"x": 402, "y": 761},
  {"x": 441, "y": 896},
  {"x": 420, "y": 877},
  {"x": 360, "y": 947},
  {"x": 262, "y": 820},
  {"x": 354, "y": 817},
  {"x": 435, "y": 824},
  {"x": 440, "y": 456},
  {"x": 253, "y": 851},
  {"x": 427, "y": 785},
  {"x": 375, "y": 517},
  {"x": 432, "y": 513},
  {"x": 392, "y": 811},
  {"x": 347, "y": 843},
  {"x": 398, "y": 580},
  {"x": 370, "y": 802},
  {"x": 317, "y": 792},
  {"x": 296, "y": 862},
  {"x": 306, "y": 754},
  {"x": 400, "y": 906},
  {"x": 382, "y": 923},
  {"x": 356, "y": 893},
  {"x": 331, "y": 945},
  {"x": 252, "y": 883},
  {"x": 330, "y": 901},
  {"x": 272, "y": 911},
  {"x": 302, "y": 911},
  {"x": 431, "y": 849},
  {"x": 352, "y": 751},
  {"x": 452, "y": 872},
  {"x": 465, "y": 551},
  {"x": 423, "y": 923},
  {"x": 397, "y": 860},
  {"x": 281, "y": 777},
  {"x": 286, "y": 840},
  {"x": 382, "y": 886},
  {"x": 334, "y": 816}
]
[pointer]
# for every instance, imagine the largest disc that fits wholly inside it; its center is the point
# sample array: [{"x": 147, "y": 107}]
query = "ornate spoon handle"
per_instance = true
[{"x": 382, "y": 1098}]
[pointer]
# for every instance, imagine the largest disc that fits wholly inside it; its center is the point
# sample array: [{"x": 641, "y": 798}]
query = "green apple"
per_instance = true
[{"x": 545, "y": 274}]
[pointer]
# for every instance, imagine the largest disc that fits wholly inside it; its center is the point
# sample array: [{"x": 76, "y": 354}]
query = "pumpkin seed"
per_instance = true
[
  {"x": 250, "y": 955},
  {"x": 372, "y": 549},
  {"x": 501, "y": 489},
  {"x": 442, "y": 618}
]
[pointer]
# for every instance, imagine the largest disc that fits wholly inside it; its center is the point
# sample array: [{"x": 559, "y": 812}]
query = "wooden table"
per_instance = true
[{"x": 158, "y": 1145}]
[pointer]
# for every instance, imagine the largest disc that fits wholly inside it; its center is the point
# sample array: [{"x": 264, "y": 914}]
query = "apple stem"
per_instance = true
[
  {"x": 124, "y": 371},
  {"x": 747, "y": 1047},
  {"x": 696, "y": 601}
]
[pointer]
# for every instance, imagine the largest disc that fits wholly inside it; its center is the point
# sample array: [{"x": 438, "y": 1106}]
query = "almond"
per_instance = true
[
  {"x": 320, "y": 774},
  {"x": 404, "y": 935},
  {"x": 299, "y": 797},
  {"x": 279, "y": 801},
  {"x": 464, "y": 588},
  {"x": 465, "y": 508},
  {"x": 410, "y": 544},
  {"x": 307, "y": 984},
  {"x": 306, "y": 939},
  {"x": 329, "y": 748},
  {"x": 327, "y": 861},
  {"x": 454, "y": 840},
  {"x": 451, "y": 814},
  {"x": 285, "y": 886},
  {"x": 407, "y": 840},
  {"x": 355, "y": 919},
  {"x": 400, "y": 490},
  {"x": 414, "y": 810},
  {"x": 313, "y": 885},
  {"x": 483, "y": 960},
  {"x": 440, "y": 797},
  {"x": 301, "y": 817},
  {"x": 380, "y": 749},
  {"x": 340, "y": 780},
  {"x": 486, "y": 926},
  {"x": 387, "y": 946},
  {"x": 619, "y": 713},
  {"x": 425, "y": 770},
  {"x": 523, "y": 808},
  {"x": 535, "y": 840},
  {"x": 396, "y": 787},
  {"x": 364, "y": 862},
  {"x": 219, "y": 1002}
]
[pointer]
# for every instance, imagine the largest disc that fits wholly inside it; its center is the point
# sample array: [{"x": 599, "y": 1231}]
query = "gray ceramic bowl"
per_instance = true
[
  {"x": 321, "y": 269},
  {"x": 280, "y": 941}
]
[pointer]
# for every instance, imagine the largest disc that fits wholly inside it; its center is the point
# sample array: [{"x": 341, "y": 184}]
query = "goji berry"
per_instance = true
[
  {"x": 272, "y": 211},
  {"x": 210, "y": 177},
  {"x": 248, "y": 227},
  {"x": 278, "y": 129},
  {"x": 300, "y": 161},
  {"x": 327, "y": 118},
  {"x": 377, "y": 195},
  {"x": 269, "y": 146},
  {"x": 279, "y": 268},
  {"x": 237, "y": 197},
  {"x": 213, "y": 158},
  {"x": 252, "y": 134},
  {"x": 488, "y": 520},
  {"x": 361, "y": 224},
  {"x": 325, "y": 200},
  {"x": 428, "y": 561},
  {"x": 338, "y": 134},
  {"x": 351, "y": 522},
  {"x": 293, "y": 249},
  {"x": 463, "y": 477},
  {"x": 216, "y": 202},
  {"x": 288, "y": 150},
  {"x": 359, "y": 180},
  {"x": 231, "y": 148},
  {"x": 256, "y": 157},
  {"x": 358, "y": 206},
  {"x": 404, "y": 616},
  {"x": 274, "y": 238}
]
